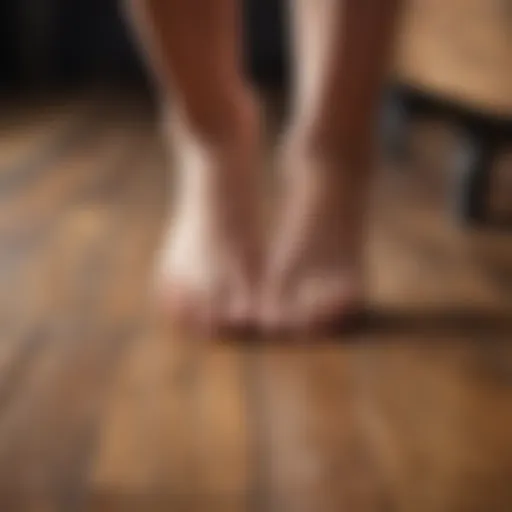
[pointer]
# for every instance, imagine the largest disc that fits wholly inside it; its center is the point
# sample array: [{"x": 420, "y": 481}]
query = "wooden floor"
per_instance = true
[{"x": 104, "y": 407}]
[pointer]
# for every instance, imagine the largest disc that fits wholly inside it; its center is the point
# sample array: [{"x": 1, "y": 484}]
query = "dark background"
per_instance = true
[{"x": 59, "y": 42}]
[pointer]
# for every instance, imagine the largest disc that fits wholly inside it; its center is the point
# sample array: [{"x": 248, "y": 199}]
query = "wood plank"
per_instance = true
[
  {"x": 225, "y": 439},
  {"x": 146, "y": 440},
  {"x": 175, "y": 433},
  {"x": 25, "y": 451},
  {"x": 31, "y": 137},
  {"x": 98, "y": 160},
  {"x": 397, "y": 426},
  {"x": 404, "y": 250},
  {"x": 436, "y": 415},
  {"x": 64, "y": 381},
  {"x": 40, "y": 265},
  {"x": 32, "y": 140},
  {"x": 316, "y": 457}
]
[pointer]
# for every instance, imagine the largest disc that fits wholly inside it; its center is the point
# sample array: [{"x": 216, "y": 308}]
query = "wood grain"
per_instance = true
[{"x": 106, "y": 406}]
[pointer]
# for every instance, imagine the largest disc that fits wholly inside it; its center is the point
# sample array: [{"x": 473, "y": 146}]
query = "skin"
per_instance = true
[{"x": 213, "y": 273}]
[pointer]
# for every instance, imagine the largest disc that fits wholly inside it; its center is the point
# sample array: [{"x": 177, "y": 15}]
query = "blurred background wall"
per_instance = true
[
  {"x": 452, "y": 63},
  {"x": 53, "y": 42}
]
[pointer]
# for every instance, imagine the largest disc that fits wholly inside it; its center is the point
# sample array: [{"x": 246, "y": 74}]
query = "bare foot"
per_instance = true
[
  {"x": 209, "y": 262},
  {"x": 313, "y": 277}
]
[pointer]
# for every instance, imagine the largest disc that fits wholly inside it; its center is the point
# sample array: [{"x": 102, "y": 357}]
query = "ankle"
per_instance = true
[
  {"x": 226, "y": 124},
  {"x": 330, "y": 147}
]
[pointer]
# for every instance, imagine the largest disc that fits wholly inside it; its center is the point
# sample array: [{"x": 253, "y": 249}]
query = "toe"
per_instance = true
[
  {"x": 176, "y": 303},
  {"x": 240, "y": 314},
  {"x": 240, "y": 309},
  {"x": 274, "y": 314},
  {"x": 327, "y": 306}
]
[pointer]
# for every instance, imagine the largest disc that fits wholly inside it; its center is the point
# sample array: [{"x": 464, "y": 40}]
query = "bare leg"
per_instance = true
[
  {"x": 314, "y": 273},
  {"x": 208, "y": 261}
]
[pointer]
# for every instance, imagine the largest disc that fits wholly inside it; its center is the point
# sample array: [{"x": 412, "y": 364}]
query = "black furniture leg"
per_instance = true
[
  {"x": 396, "y": 120},
  {"x": 402, "y": 107},
  {"x": 474, "y": 161}
]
